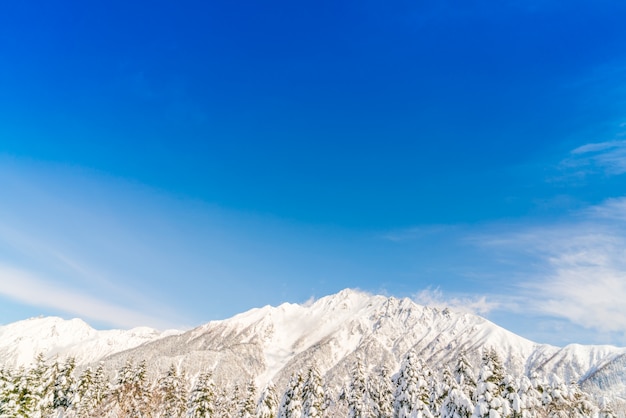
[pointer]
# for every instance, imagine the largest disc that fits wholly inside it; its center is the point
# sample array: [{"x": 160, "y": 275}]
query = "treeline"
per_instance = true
[{"x": 53, "y": 389}]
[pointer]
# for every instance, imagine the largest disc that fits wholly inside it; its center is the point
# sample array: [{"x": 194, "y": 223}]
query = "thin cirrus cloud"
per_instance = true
[
  {"x": 26, "y": 287},
  {"x": 607, "y": 157},
  {"x": 66, "y": 250}
]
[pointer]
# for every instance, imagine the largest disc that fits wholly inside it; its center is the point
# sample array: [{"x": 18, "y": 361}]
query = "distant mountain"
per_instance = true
[
  {"x": 271, "y": 343},
  {"x": 22, "y": 341}
]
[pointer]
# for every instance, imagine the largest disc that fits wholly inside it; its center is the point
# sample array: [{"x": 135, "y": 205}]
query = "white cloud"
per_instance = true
[
  {"x": 579, "y": 267},
  {"x": 608, "y": 157},
  {"x": 31, "y": 289},
  {"x": 469, "y": 304},
  {"x": 599, "y": 146},
  {"x": 611, "y": 209}
]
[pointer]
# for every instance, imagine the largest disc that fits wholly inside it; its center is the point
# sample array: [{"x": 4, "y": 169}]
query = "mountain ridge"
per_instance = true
[{"x": 271, "y": 343}]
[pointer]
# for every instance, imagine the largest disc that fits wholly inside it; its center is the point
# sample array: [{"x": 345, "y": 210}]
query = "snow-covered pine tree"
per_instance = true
[
  {"x": 510, "y": 393},
  {"x": 80, "y": 403},
  {"x": 9, "y": 393},
  {"x": 230, "y": 402},
  {"x": 541, "y": 387},
  {"x": 464, "y": 376},
  {"x": 489, "y": 400},
  {"x": 555, "y": 398},
  {"x": 27, "y": 393},
  {"x": 581, "y": 404},
  {"x": 527, "y": 401},
  {"x": 268, "y": 402},
  {"x": 172, "y": 394},
  {"x": 562, "y": 400},
  {"x": 64, "y": 386},
  {"x": 291, "y": 402},
  {"x": 41, "y": 381},
  {"x": 439, "y": 387},
  {"x": 5, "y": 389},
  {"x": 131, "y": 391},
  {"x": 456, "y": 404},
  {"x": 247, "y": 409},
  {"x": 380, "y": 392},
  {"x": 101, "y": 389},
  {"x": 357, "y": 396},
  {"x": 201, "y": 402},
  {"x": 227, "y": 401},
  {"x": 411, "y": 396},
  {"x": 313, "y": 394}
]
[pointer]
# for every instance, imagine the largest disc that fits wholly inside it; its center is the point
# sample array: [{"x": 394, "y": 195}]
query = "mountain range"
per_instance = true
[{"x": 270, "y": 343}]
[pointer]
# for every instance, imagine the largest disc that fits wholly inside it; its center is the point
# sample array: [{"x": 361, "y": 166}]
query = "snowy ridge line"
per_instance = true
[{"x": 272, "y": 343}]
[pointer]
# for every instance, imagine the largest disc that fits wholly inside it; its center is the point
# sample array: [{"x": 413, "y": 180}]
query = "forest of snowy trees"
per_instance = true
[{"x": 53, "y": 389}]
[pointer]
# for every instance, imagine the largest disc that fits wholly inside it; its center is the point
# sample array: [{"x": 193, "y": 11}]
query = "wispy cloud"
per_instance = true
[
  {"x": 579, "y": 266},
  {"x": 30, "y": 289},
  {"x": 607, "y": 157},
  {"x": 469, "y": 304},
  {"x": 611, "y": 209},
  {"x": 63, "y": 247}
]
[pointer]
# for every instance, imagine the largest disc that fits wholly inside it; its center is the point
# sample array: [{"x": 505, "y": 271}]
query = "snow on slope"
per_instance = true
[{"x": 22, "y": 341}]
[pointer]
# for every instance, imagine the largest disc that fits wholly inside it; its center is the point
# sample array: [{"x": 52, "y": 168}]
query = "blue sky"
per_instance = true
[{"x": 168, "y": 164}]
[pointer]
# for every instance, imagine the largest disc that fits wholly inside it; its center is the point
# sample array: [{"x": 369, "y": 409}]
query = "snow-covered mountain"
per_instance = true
[
  {"x": 270, "y": 343},
  {"x": 22, "y": 341}
]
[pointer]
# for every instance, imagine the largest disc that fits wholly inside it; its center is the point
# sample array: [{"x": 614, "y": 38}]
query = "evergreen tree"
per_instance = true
[
  {"x": 227, "y": 401},
  {"x": 5, "y": 390},
  {"x": 131, "y": 392},
  {"x": 313, "y": 394},
  {"x": 291, "y": 403},
  {"x": 580, "y": 402},
  {"x": 230, "y": 404},
  {"x": 411, "y": 396},
  {"x": 464, "y": 376},
  {"x": 489, "y": 389},
  {"x": 555, "y": 398},
  {"x": 380, "y": 392},
  {"x": 358, "y": 399},
  {"x": 64, "y": 386},
  {"x": 248, "y": 404},
  {"x": 202, "y": 398},
  {"x": 455, "y": 402},
  {"x": 21, "y": 401},
  {"x": 100, "y": 390},
  {"x": 268, "y": 402},
  {"x": 172, "y": 394},
  {"x": 81, "y": 397},
  {"x": 561, "y": 400},
  {"x": 528, "y": 399},
  {"x": 439, "y": 388},
  {"x": 40, "y": 384},
  {"x": 9, "y": 393}
]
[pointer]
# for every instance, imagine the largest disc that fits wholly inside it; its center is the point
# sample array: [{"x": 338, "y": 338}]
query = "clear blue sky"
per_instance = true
[{"x": 170, "y": 163}]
